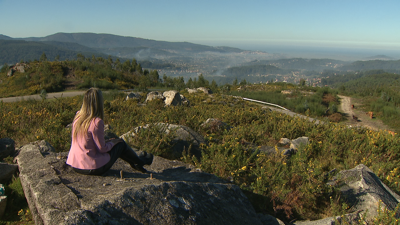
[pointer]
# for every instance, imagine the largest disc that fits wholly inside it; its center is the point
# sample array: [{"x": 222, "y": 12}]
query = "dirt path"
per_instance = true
[
  {"x": 363, "y": 119},
  {"x": 49, "y": 96}
]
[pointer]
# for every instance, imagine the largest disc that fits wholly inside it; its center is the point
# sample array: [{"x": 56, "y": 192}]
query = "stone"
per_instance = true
[
  {"x": 363, "y": 190},
  {"x": 172, "y": 98},
  {"x": 10, "y": 73},
  {"x": 191, "y": 91},
  {"x": 284, "y": 141},
  {"x": 154, "y": 95},
  {"x": 205, "y": 90},
  {"x": 214, "y": 124},
  {"x": 7, "y": 171},
  {"x": 174, "y": 193},
  {"x": 270, "y": 220},
  {"x": 133, "y": 96},
  {"x": 184, "y": 100},
  {"x": 296, "y": 143},
  {"x": 268, "y": 150},
  {"x": 3, "y": 205},
  {"x": 351, "y": 218},
  {"x": 183, "y": 138},
  {"x": 7, "y": 147}
]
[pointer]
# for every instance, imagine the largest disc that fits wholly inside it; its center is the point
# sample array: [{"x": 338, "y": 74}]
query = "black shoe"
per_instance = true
[
  {"x": 147, "y": 158},
  {"x": 139, "y": 168}
]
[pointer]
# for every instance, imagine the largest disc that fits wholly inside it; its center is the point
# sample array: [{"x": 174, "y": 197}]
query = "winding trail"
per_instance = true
[
  {"x": 49, "y": 96},
  {"x": 363, "y": 118}
]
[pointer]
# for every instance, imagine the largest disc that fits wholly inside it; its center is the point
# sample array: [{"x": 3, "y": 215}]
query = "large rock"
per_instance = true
[
  {"x": 205, "y": 90},
  {"x": 296, "y": 143},
  {"x": 133, "y": 96},
  {"x": 352, "y": 218},
  {"x": 6, "y": 171},
  {"x": 183, "y": 138},
  {"x": 7, "y": 147},
  {"x": 154, "y": 95},
  {"x": 174, "y": 193},
  {"x": 363, "y": 190},
  {"x": 3, "y": 205},
  {"x": 172, "y": 98},
  {"x": 213, "y": 125}
]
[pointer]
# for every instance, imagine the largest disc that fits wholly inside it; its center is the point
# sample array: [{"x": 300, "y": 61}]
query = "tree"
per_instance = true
[
  {"x": 235, "y": 82},
  {"x": 202, "y": 82},
  {"x": 214, "y": 86},
  {"x": 4, "y": 68},
  {"x": 302, "y": 82},
  {"x": 43, "y": 57},
  {"x": 154, "y": 77},
  {"x": 190, "y": 83},
  {"x": 80, "y": 57},
  {"x": 179, "y": 83}
]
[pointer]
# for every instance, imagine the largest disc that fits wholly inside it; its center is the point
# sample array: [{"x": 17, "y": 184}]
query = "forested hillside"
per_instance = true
[{"x": 85, "y": 72}]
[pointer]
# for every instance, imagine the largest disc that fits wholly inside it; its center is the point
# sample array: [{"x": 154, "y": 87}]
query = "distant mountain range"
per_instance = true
[
  {"x": 68, "y": 44},
  {"x": 183, "y": 58}
]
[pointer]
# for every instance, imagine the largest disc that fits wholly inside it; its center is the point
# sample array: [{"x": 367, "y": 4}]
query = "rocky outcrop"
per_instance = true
[
  {"x": 352, "y": 218},
  {"x": 20, "y": 67},
  {"x": 154, "y": 95},
  {"x": 363, "y": 190},
  {"x": 213, "y": 124},
  {"x": 7, "y": 147},
  {"x": 170, "y": 98},
  {"x": 174, "y": 193},
  {"x": 285, "y": 146},
  {"x": 183, "y": 138},
  {"x": 296, "y": 143},
  {"x": 7, "y": 171},
  {"x": 200, "y": 89},
  {"x": 133, "y": 96},
  {"x": 3, "y": 204}
]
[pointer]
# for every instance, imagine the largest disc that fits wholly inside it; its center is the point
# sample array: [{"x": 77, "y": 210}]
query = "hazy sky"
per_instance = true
[{"x": 328, "y": 23}]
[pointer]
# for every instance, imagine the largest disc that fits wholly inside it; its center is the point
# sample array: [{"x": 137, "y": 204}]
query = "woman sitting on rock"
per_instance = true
[{"x": 90, "y": 154}]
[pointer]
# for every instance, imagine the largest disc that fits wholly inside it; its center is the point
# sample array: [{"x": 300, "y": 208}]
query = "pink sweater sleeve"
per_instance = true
[
  {"x": 98, "y": 136},
  {"x": 90, "y": 151}
]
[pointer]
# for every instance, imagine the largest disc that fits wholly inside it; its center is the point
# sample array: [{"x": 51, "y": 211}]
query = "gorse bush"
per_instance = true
[{"x": 289, "y": 188}]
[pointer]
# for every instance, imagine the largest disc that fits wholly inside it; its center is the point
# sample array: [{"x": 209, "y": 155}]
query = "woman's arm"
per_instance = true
[{"x": 98, "y": 136}]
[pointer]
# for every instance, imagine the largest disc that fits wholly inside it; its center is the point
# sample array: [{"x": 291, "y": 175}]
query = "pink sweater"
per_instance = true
[{"x": 90, "y": 152}]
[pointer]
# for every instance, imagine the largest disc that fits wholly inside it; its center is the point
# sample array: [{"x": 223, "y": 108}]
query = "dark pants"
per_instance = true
[{"x": 116, "y": 152}]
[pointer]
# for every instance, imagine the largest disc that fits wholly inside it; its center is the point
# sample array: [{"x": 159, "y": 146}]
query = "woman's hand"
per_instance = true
[{"x": 116, "y": 140}]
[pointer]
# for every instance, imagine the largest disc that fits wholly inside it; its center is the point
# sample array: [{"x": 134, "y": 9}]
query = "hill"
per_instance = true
[
  {"x": 12, "y": 51},
  {"x": 101, "y": 41}
]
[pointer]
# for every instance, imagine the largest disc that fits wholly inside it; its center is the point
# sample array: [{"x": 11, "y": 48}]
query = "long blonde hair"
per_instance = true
[{"x": 92, "y": 107}]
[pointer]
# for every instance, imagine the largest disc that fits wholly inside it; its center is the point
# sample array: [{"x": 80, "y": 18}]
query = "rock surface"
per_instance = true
[
  {"x": 347, "y": 219},
  {"x": 363, "y": 190},
  {"x": 7, "y": 147},
  {"x": 154, "y": 95},
  {"x": 3, "y": 204},
  {"x": 200, "y": 89},
  {"x": 183, "y": 138},
  {"x": 6, "y": 172},
  {"x": 175, "y": 193},
  {"x": 214, "y": 125},
  {"x": 296, "y": 143},
  {"x": 133, "y": 96}
]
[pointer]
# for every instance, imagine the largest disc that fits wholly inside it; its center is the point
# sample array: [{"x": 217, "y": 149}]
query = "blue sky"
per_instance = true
[{"x": 344, "y": 23}]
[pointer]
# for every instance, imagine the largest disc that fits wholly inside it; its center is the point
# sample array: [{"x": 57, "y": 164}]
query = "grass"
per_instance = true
[{"x": 286, "y": 188}]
